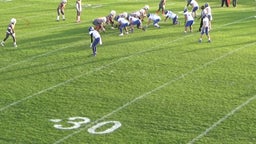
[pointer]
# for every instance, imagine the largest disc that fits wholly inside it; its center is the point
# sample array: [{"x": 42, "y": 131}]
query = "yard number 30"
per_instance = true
[{"x": 77, "y": 122}]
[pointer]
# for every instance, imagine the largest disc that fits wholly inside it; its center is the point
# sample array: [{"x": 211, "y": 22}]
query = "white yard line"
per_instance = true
[
  {"x": 222, "y": 120},
  {"x": 161, "y": 87}
]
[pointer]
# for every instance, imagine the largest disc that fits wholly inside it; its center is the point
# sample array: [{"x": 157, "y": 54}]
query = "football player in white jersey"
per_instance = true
[
  {"x": 208, "y": 13},
  {"x": 189, "y": 20},
  {"x": 205, "y": 29},
  {"x": 155, "y": 18},
  {"x": 171, "y": 15},
  {"x": 135, "y": 22},
  {"x": 123, "y": 24},
  {"x": 194, "y": 5},
  {"x": 95, "y": 40},
  {"x": 10, "y": 32}
]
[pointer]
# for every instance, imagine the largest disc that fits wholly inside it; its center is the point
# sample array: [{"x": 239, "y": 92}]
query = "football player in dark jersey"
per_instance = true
[{"x": 10, "y": 32}]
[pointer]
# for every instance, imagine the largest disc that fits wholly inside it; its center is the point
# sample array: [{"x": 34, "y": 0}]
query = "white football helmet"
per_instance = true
[
  {"x": 13, "y": 21},
  {"x": 125, "y": 14},
  {"x": 104, "y": 19},
  {"x": 113, "y": 12},
  {"x": 64, "y": 1},
  {"x": 146, "y": 7}
]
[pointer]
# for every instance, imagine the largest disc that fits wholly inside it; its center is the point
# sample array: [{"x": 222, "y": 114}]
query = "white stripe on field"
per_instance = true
[
  {"x": 156, "y": 89},
  {"x": 221, "y": 120}
]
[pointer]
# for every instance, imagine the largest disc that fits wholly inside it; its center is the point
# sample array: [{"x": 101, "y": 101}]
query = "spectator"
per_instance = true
[
  {"x": 78, "y": 10},
  {"x": 226, "y": 3},
  {"x": 161, "y": 6}
]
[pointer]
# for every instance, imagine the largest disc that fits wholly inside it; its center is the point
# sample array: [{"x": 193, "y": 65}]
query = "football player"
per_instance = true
[
  {"x": 208, "y": 13},
  {"x": 155, "y": 18},
  {"x": 135, "y": 22},
  {"x": 110, "y": 18},
  {"x": 189, "y": 20},
  {"x": 194, "y": 5},
  {"x": 205, "y": 29},
  {"x": 171, "y": 15},
  {"x": 60, "y": 10},
  {"x": 123, "y": 24},
  {"x": 10, "y": 32},
  {"x": 95, "y": 40},
  {"x": 99, "y": 24}
]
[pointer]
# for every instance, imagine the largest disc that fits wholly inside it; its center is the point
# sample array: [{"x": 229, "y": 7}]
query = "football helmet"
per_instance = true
[
  {"x": 91, "y": 29},
  {"x": 146, "y": 7},
  {"x": 113, "y": 12},
  {"x": 104, "y": 19},
  {"x": 13, "y": 21},
  {"x": 206, "y": 5}
]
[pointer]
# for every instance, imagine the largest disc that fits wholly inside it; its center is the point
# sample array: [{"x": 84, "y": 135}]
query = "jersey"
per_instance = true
[
  {"x": 208, "y": 12},
  {"x": 154, "y": 17},
  {"x": 122, "y": 20},
  {"x": 188, "y": 16},
  {"x": 134, "y": 20},
  {"x": 10, "y": 29},
  {"x": 193, "y": 3},
  {"x": 143, "y": 12},
  {"x": 171, "y": 15},
  {"x": 62, "y": 5},
  {"x": 95, "y": 34},
  {"x": 206, "y": 22}
]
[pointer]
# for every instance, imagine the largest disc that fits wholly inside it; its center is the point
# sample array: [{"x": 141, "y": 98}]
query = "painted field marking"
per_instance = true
[
  {"x": 32, "y": 58},
  {"x": 182, "y": 76},
  {"x": 222, "y": 120}
]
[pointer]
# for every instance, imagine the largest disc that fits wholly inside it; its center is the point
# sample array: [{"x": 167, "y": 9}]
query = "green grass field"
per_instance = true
[{"x": 152, "y": 87}]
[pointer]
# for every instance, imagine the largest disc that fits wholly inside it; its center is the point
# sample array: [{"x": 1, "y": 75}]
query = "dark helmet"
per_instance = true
[
  {"x": 91, "y": 29},
  {"x": 166, "y": 11},
  {"x": 185, "y": 10},
  {"x": 206, "y": 5},
  {"x": 148, "y": 15}
]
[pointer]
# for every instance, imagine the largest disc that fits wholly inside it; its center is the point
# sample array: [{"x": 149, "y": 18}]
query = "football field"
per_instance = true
[{"x": 159, "y": 86}]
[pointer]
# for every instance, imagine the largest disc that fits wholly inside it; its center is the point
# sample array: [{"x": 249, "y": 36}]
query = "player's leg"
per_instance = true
[
  {"x": 63, "y": 14},
  {"x": 14, "y": 40},
  {"x": 6, "y": 37},
  {"x": 58, "y": 14}
]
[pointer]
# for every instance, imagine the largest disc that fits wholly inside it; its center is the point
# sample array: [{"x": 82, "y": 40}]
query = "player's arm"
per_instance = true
[
  {"x": 91, "y": 37},
  {"x": 63, "y": 6},
  {"x": 166, "y": 18}
]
